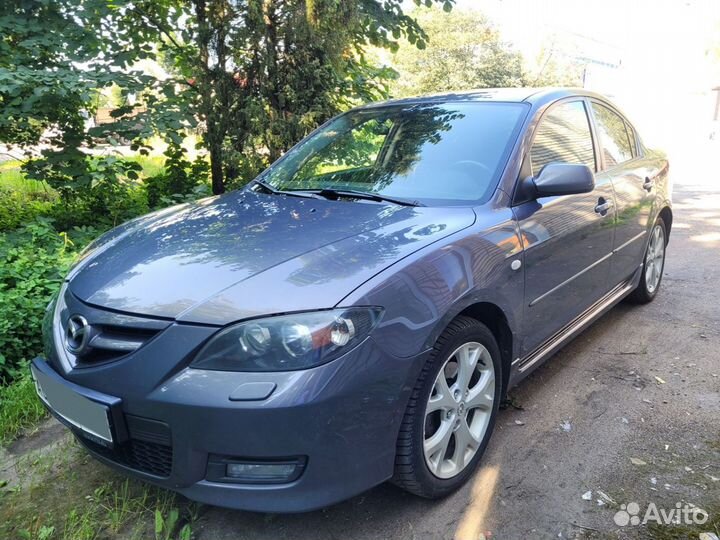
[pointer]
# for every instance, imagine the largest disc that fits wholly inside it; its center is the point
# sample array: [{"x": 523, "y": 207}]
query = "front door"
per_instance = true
[{"x": 568, "y": 240}]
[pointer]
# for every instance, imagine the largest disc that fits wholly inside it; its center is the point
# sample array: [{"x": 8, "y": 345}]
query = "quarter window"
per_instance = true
[
  {"x": 613, "y": 136},
  {"x": 563, "y": 136}
]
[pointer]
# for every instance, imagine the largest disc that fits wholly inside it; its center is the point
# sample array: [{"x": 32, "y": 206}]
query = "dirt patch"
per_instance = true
[{"x": 48, "y": 432}]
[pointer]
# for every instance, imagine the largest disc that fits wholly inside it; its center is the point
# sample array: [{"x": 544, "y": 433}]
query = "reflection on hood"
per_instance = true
[{"x": 169, "y": 263}]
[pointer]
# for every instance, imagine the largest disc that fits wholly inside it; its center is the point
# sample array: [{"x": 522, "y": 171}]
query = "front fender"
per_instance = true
[{"x": 423, "y": 293}]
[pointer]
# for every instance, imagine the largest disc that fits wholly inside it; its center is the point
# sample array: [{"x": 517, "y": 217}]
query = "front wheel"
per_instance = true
[
  {"x": 451, "y": 412},
  {"x": 653, "y": 267}
]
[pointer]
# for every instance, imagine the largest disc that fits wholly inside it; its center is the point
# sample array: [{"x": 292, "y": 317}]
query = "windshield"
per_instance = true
[{"x": 441, "y": 153}]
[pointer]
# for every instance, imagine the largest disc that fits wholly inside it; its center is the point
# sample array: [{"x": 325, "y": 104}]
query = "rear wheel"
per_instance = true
[
  {"x": 654, "y": 265},
  {"x": 451, "y": 412}
]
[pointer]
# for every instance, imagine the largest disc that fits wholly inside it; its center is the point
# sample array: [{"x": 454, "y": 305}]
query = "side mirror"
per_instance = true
[{"x": 563, "y": 179}]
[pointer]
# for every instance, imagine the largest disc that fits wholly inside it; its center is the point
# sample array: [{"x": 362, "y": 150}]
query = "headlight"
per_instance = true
[{"x": 287, "y": 342}]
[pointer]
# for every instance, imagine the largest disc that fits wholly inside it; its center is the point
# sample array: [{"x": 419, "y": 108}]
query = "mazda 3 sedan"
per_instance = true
[{"x": 357, "y": 313}]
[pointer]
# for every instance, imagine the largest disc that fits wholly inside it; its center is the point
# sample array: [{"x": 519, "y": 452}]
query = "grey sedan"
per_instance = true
[{"x": 357, "y": 313}]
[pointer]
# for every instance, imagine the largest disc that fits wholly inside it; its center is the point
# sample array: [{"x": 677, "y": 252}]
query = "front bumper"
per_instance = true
[{"x": 341, "y": 419}]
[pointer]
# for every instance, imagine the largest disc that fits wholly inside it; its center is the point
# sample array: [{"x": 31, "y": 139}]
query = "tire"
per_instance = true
[
  {"x": 645, "y": 292},
  {"x": 473, "y": 422}
]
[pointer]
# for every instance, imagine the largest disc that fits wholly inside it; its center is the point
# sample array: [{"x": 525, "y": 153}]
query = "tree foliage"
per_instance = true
[
  {"x": 262, "y": 74},
  {"x": 553, "y": 68},
  {"x": 253, "y": 75},
  {"x": 464, "y": 52},
  {"x": 54, "y": 57}
]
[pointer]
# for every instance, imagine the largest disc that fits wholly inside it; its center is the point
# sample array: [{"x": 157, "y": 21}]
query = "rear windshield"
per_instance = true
[{"x": 433, "y": 153}]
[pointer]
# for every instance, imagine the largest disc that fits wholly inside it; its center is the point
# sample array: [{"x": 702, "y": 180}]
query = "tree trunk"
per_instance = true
[
  {"x": 216, "y": 168},
  {"x": 208, "y": 107},
  {"x": 275, "y": 115}
]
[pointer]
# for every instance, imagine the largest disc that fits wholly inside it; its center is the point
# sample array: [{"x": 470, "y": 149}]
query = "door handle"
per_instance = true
[
  {"x": 649, "y": 184},
  {"x": 603, "y": 206}
]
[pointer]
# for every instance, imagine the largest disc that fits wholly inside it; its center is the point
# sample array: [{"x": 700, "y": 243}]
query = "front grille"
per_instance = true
[
  {"x": 112, "y": 335},
  {"x": 113, "y": 342},
  {"x": 143, "y": 456}
]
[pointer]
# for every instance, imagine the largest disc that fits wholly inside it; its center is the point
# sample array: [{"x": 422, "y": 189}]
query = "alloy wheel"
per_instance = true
[
  {"x": 459, "y": 410},
  {"x": 655, "y": 258}
]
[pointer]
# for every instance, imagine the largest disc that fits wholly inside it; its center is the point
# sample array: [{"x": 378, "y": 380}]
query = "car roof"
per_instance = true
[{"x": 533, "y": 96}]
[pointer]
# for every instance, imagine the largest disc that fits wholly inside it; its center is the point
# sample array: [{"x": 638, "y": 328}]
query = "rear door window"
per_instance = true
[{"x": 613, "y": 135}]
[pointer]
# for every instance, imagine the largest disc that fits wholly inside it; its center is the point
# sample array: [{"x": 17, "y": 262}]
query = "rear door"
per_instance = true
[
  {"x": 567, "y": 239},
  {"x": 633, "y": 182}
]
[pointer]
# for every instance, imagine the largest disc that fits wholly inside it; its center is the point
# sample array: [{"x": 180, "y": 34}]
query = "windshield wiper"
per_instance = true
[
  {"x": 335, "y": 194},
  {"x": 293, "y": 193}
]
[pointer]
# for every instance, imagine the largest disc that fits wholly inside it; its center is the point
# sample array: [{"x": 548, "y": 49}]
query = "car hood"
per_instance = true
[{"x": 247, "y": 254}]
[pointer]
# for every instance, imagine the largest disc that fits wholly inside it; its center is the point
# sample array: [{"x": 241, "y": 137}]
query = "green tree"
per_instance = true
[
  {"x": 261, "y": 74},
  {"x": 253, "y": 75},
  {"x": 552, "y": 67},
  {"x": 463, "y": 52},
  {"x": 53, "y": 59}
]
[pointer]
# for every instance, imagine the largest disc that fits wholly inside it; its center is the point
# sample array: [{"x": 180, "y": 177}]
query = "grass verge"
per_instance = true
[{"x": 64, "y": 494}]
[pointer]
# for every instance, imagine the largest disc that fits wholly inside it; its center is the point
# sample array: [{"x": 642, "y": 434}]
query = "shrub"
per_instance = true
[
  {"x": 179, "y": 181},
  {"x": 242, "y": 167},
  {"x": 102, "y": 191},
  {"x": 104, "y": 206},
  {"x": 33, "y": 261}
]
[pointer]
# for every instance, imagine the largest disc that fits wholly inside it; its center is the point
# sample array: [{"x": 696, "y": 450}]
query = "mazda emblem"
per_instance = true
[{"x": 77, "y": 335}]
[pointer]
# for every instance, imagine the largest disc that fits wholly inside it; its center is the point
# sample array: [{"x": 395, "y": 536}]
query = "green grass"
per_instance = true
[
  {"x": 20, "y": 409},
  {"x": 12, "y": 177},
  {"x": 151, "y": 165},
  {"x": 95, "y": 503}
]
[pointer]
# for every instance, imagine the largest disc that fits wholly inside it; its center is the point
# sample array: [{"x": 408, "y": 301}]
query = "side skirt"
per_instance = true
[{"x": 524, "y": 366}]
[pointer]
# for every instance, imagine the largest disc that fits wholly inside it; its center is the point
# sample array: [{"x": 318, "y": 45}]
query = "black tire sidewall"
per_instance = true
[
  {"x": 434, "y": 486},
  {"x": 643, "y": 291}
]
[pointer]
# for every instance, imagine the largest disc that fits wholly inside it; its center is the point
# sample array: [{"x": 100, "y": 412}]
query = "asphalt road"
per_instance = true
[{"x": 641, "y": 383}]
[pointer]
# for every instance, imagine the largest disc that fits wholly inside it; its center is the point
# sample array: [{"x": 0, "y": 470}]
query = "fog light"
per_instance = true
[
  {"x": 260, "y": 471},
  {"x": 250, "y": 471}
]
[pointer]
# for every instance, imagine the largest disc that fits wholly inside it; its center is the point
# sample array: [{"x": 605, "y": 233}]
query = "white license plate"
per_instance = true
[{"x": 85, "y": 414}]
